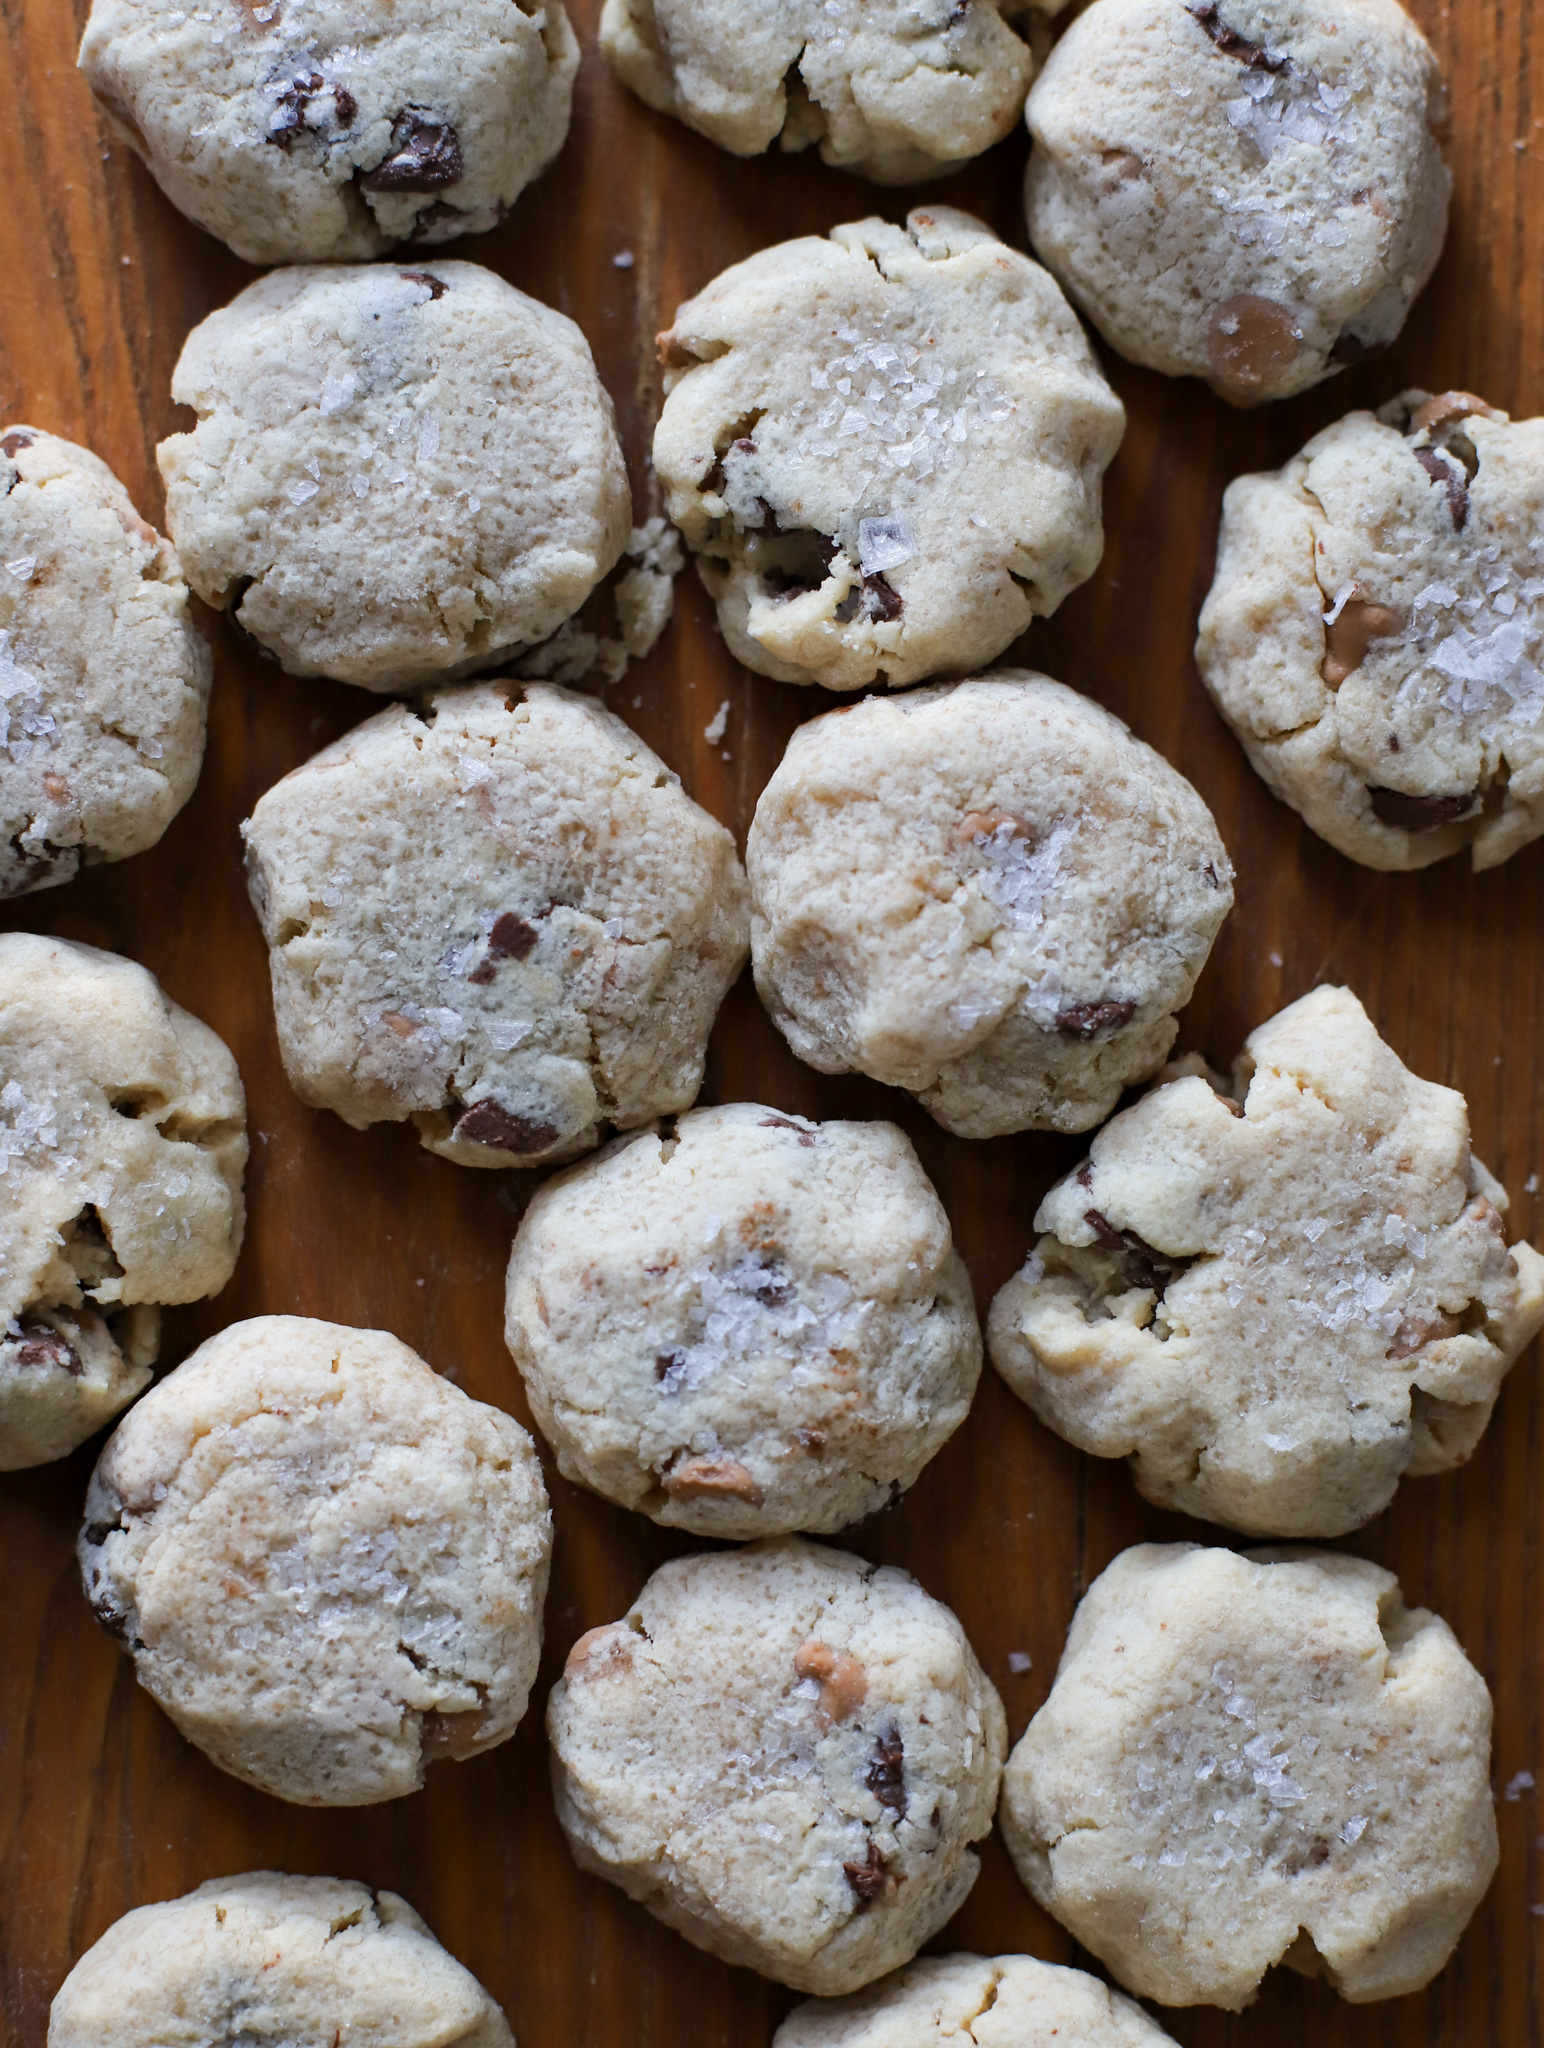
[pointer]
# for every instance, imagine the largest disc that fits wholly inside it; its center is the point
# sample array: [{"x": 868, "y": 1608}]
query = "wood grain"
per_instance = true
[{"x": 102, "y": 1806}]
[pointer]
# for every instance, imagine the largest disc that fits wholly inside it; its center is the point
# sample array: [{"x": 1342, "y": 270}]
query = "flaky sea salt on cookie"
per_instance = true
[
  {"x": 122, "y": 1146},
  {"x": 744, "y": 1324},
  {"x": 1246, "y": 192},
  {"x": 989, "y": 893},
  {"x": 308, "y": 1961},
  {"x": 1277, "y": 1305},
  {"x": 1248, "y": 1761},
  {"x": 327, "y": 1562},
  {"x": 888, "y": 88},
  {"x": 886, "y": 449},
  {"x": 785, "y": 1753},
  {"x": 1375, "y": 632},
  {"x": 104, "y": 680},
  {"x": 499, "y": 915},
  {"x": 398, "y": 474},
  {"x": 311, "y": 130}
]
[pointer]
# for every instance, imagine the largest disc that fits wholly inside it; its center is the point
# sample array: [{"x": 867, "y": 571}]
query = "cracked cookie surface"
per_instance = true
[
  {"x": 746, "y": 1324},
  {"x": 398, "y": 473},
  {"x": 499, "y": 915},
  {"x": 989, "y": 893},
  {"x": 988, "y": 2001},
  {"x": 1375, "y": 632},
  {"x": 1255, "y": 1760},
  {"x": 327, "y": 1562},
  {"x": 310, "y": 131},
  {"x": 1244, "y": 192},
  {"x": 1276, "y": 1305},
  {"x": 264, "y": 1956},
  {"x": 104, "y": 679},
  {"x": 123, "y": 1142},
  {"x": 785, "y": 1753},
  {"x": 885, "y": 448}
]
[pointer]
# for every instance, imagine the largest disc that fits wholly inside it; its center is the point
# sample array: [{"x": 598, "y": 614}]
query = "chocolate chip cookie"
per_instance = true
[{"x": 991, "y": 2001}]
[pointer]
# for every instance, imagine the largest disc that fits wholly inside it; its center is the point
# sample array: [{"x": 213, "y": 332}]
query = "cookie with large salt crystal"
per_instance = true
[
  {"x": 310, "y": 1961},
  {"x": 398, "y": 474},
  {"x": 885, "y": 448},
  {"x": 500, "y": 915},
  {"x": 104, "y": 680},
  {"x": 1279, "y": 1302},
  {"x": 744, "y": 1324},
  {"x": 327, "y": 1562},
  {"x": 123, "y": 1142},
  {"x": 1235, "y": 190},
  {"x": 1256, "y": 1760},
  {"x": 887, "y": 88},
  {"x": 988, "y": 2001},
  {"x": 989, "y": 893},
  {"x": 310, "y": 131},
  {"x": 785, "y": 1753},
  {"x": 1375, "y": 633}
]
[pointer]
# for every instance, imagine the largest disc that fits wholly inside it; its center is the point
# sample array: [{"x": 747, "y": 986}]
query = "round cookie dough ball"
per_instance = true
[
  {"x": 104, "y": 680},
  {"x": 1375, "y": 633},
  {"x": 327, "y": 1563},
  {"x": 896, "y": 91},
  {"x": 886, "y": 449},
  {"x": 785, "y": 1753},
  {"x": 975, "y": 2002},
  {"x": 309, "y": 1961},
  {"x": 744, "y": 1325},
  {"x": 311, "y": 130},
  {"x": 397, "y": 474},
  {"x": 123, "y": 1139},
  {"x": 499, "y": 915},
  {"x": 1276, "y": 1310},
  {"x": 988, "y": 893},
  {"x": 1245, "y": 192},
  {"x": 1247, "y": 1761}
]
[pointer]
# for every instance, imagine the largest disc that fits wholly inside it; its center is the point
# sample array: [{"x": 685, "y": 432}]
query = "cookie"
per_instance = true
[
  {"x": 975, "y": 2002},
  {"x": 309, "y": 1961},
  {"x": 989, "y": 893},
  {"x": 123, "y": 1139},
  {"x": 1247, "y": 1761},
  {"x": 885, "y": 448},
  {"x": 499, "y": 915},
  {"x": 327, "y": 1562},
  {"x": 1248, "y": 193},
  {"x": 744, "y": 1324},
  {"x": 895, "y": 92},
  {"x": 1375, "y": 633},
  {"x": 785, "y": 1753},
  {"x": 104, "y": 680},
  {"x": 397, "y": 474},
  {"x": 308, "y": 131}
]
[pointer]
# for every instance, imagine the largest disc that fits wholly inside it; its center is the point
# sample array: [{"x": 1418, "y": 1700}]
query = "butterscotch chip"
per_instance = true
[{"x": 991, "y": 2001}]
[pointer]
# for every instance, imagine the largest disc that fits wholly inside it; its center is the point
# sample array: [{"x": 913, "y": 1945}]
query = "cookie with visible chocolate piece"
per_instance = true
[
  {"x": 327, "y": 1562},
  {"x": 499, "y": 915},
  {"x": 310, "y": 1961},
  {"x": 1375, "y": 632},
  {"x": 104, "y": 680},
  {"x": 397, "y": 475},
  {"x": 1275, "y": 1304},
  {"x": 1249, "y": 193},
  {"x": 123, "y": 1140},
  {"x": 310, "y": 131},
  {"x": 989, "y": 893},
  {"x": 885, "y": 448},
  {"x": 785, "y": 1753},
  {"x": 1253, "y": 1761},
  {"x": 745, "y": 1324}
]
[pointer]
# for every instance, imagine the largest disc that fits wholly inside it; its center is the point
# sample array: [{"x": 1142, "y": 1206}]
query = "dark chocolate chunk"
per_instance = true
[
  {"x": 1232, "y": 44},
  {"x": 437, "y": 285},
  {"x": 875, "y": 597},
  {"x": 1210, "y": 876},
  {"x": 1350, "y": 349},
  {"x": 772, "y": 1290},
  {"x": 1145, "y": 1265},
  {"x": 868, "y": 1877},
  {"x": 512, "y": 938},
  {"x": 885, "y": 1775},
  {"x": 668, "y": 1367},
  {"x": 1447, "y": 470},
  {"x": 435, "y": 216},
  {"x": 13, "y": 444},
  {"x": 425, "y": 156},
  {"x": 295, "y": 101},
  {"x": 490, "y": 1123},
  {"x": 1408, "y": 813},
  {"x": 781, "y": 1123},
  {"x": 1093, "y": 1020},
  {"x": 97, "y": 1533},
  {"x": 112, "y": 1618},
  {"x": 807, "y": 571},
  {"x": 41, "y": 1345}
]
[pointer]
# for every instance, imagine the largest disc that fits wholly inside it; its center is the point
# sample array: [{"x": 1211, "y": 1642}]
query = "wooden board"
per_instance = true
[{"x": 102, "y": 1805}]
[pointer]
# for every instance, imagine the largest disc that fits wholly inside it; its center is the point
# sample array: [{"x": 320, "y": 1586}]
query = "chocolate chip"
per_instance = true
[
  {"x": 1145, "y": 1265},
  {"x": 876, "y": 597},
  {"x": 512, "y": 938},
  {"x": 812, "y": 1441},
  {"x": 438, "y": 215},
  {"x": 1251, "y": 342},
  {"x": 781, "y": 1123},
  {"x": 673, "y": 354},
  {"x": 1407, "y": 813},
  {"x": 1210, "y": 876},
  {"x": 868, "y": 1877},
  {"x": 668, "y": 1367},
  {"x": 1446, "y": 407},
  {"x": 1092, "y": 1020},
  {"x": 1347, "y": 640},
  {"x": 41, "y": 1345},
  {"x": 13, "y": 444},
  {"x": 805, "y": 568},
  {"x": 1446, "y": 469},
  {"x": 295, "y": 102},
  {"x": 113, "y": 1619},
  {"x": 437, "y": 285},
  {"x": 1232, "y": 44},
  {"x": 425, "y": 156},
  {"x": 490, "y": 1123},
  {"x": 885, "y": 1775},
  {"x": 773, "y": 1290},
  {"x": 96, "y": 1533},
  {"x": 1350, "y": 349}
]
